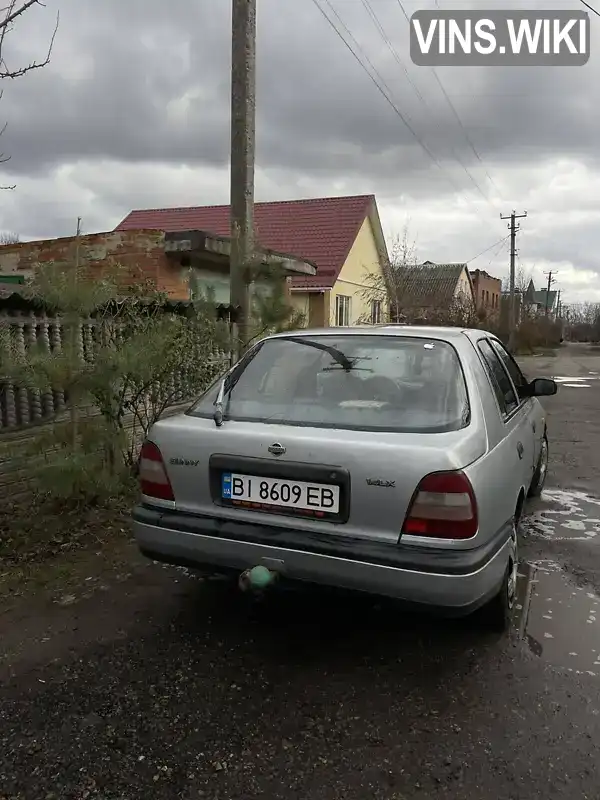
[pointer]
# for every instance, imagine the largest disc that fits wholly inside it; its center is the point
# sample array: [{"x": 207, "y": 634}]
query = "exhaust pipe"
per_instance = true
[{"x": 257, "y": 579}]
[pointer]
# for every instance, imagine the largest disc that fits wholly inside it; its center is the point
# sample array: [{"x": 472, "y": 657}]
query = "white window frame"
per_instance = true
[
  {"x": 376, "y": 309},
  {"x": 343, "y": 306}
]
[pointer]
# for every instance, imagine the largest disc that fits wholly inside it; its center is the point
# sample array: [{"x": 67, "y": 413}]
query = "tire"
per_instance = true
[
  {"x": 541, "y": 471},
  {"x": 496, "y": 615}
]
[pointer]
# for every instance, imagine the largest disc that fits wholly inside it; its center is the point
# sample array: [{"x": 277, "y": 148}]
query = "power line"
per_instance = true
[
  {"x": 454, "y": 111},
  {"x": 487, "y": 249},
  {"x": 464, "y": 130},
  {"x": 381, "y": 90},
  {"x": 496, "y": 253},
  {"x": 387, "y": 95},
  {"x": 370, "y": 10},
  {"x": 591, "y": 8},
  {"x": 356, "y": 44}
]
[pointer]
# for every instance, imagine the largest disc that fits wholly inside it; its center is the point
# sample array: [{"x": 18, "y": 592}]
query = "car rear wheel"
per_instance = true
[
  {"x": 496, "y": 615},
  {"x": 539, "y": 477}
]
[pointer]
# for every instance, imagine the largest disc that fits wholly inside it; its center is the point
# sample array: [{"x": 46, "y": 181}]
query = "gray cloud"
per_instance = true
[
  {"x": 318, "y": 110},
  {"x": 136, "y": 64}
]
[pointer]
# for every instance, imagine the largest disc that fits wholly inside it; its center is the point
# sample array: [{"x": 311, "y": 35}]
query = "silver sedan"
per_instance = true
[{"x": 390, "y": 460}]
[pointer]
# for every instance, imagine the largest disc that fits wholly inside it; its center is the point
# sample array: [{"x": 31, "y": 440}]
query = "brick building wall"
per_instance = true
[
  {"x": 140, "y": 254},
  {"x": 487, "y": 291}
]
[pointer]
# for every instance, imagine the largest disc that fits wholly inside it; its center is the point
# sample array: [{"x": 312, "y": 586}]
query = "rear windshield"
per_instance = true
[{"x": 376, "y": 383}]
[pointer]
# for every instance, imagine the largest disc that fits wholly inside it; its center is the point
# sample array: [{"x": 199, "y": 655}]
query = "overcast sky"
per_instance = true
[{"x": 133, "y": 112}]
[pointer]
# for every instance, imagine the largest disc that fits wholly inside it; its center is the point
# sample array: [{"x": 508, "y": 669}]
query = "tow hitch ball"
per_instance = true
[{"x": 256, "y": 579}]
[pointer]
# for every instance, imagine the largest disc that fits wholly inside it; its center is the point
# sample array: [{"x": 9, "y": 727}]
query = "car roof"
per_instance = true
[{"x": 422, "y": 331}]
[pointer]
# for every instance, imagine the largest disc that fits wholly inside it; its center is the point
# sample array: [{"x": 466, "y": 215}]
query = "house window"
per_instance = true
[
  {"x": 375, "y": 312},
  {"x": 210, "y": 286},
  {"x": 483, "y": 297},
  {"x": 342, "y": 310}
]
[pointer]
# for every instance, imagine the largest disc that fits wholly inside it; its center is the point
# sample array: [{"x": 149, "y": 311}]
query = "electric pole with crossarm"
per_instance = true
[
  {"x": 514, "y": 227},
  {"x": 551, "y": 280}
]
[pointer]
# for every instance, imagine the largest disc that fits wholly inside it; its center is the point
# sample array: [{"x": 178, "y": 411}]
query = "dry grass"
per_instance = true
[{"x": 45, "y": 546}]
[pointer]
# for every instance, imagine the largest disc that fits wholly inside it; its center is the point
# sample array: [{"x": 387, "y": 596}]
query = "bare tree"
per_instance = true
[
  {"x": 583, "y": 321},
  {"x": 387, "y": 285},
  {"x": 9, "y": 238},
  {"x": 522, "y": 280},
  {"x": 9, "y": 17}
]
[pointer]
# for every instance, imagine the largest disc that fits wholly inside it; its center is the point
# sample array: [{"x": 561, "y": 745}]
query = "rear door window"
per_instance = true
[
  {"x": 511, "y": 366},
  {"x": 502, "y": 385}
]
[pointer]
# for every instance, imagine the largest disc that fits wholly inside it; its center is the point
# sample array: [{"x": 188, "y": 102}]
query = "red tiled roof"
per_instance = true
[{"x": 321, "y": 230}]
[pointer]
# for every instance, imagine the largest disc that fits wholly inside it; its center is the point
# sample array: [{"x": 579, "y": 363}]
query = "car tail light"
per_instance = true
[
  {"x": 443, "y": 507},
  {"x": 154, "y": 481}
]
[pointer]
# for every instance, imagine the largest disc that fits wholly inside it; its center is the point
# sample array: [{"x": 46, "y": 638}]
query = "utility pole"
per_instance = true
[
  {"x": 550, "y": 282},
  {"x": 77, "y": 246},
  {"x": 558, "y": 309},
  {"x": 74, "y": 331},
  {"x": 514, "y": 227},
  {"x": 243, "y": 130}
]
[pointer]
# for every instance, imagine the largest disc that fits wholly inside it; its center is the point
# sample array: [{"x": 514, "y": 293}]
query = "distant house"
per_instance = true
[
  {"x": 529, "y": 303},
  {"x": 539, "y": 301},
  {"x": 487, "y": 292},
  {"x": 431, "y": 290},
  {"x": 341, "y": 236}
]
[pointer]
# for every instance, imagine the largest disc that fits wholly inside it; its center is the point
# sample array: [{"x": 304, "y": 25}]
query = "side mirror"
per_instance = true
[{"x": 542, "y": 387}]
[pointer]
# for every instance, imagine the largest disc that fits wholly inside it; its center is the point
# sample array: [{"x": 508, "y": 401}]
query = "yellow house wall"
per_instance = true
[
  {"x": 314, "y": 306},
  {"x": 463, "y": 287},
  {"x": 362, "y": 259},
  {"x": 299, "y": 301}
]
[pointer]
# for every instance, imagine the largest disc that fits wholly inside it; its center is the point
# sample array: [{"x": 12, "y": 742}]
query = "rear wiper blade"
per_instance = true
[
  {"x": 337, "y": 355},
  {"x": 218, "y": 415},
  {"x": 334, "y": 368},
  {"x": 225, "y": 388},
  {"x": 228, "y": 383}
]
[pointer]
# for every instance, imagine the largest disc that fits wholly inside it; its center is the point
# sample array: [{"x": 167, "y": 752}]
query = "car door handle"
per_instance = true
[{"x": 520, "y": 449}]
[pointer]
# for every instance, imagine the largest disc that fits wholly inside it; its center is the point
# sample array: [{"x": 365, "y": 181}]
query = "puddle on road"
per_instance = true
[
  {"x": 572, "y": 516},
  {"x": 579, "y": 379},
  {"x": 559, "y": 622},
  {"x": 576, "y": 382}
]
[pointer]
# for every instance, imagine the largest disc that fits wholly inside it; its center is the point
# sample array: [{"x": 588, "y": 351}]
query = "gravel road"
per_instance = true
[{"x": 169, "y": 686}]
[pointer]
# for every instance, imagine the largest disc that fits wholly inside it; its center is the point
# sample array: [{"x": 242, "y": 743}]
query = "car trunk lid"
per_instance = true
[{"x": 373, "y": 474}]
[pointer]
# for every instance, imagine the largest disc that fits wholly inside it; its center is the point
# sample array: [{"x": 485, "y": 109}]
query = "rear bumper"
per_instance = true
[{"x": 458, "y": 581}]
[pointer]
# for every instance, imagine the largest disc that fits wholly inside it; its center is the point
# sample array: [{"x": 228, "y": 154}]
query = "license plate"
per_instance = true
[{"x": 257, "y": 492}]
